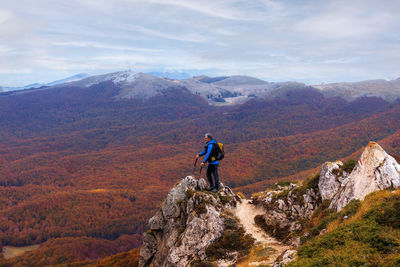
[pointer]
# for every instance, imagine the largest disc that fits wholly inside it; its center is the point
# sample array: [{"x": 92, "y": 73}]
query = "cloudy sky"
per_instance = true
[{"x": 305, "y": 41}]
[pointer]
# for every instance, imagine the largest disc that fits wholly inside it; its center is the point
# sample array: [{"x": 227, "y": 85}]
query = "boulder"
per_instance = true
[
  {"x": 186, "y": 224},
  {"x": 375, "y": 170},
  {"x": 328, "y": 183}
]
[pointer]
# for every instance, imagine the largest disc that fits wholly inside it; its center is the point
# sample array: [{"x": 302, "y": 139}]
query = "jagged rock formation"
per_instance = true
[
  {"x": 192, "y": 221},
  {"x": 375, "y": 170},
  {"x": 329, "y": 184},
  {"x": 185, "y": 225},
  {"x": 285, "y": 207}
]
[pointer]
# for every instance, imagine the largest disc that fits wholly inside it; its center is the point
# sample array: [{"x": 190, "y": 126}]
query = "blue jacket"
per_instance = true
[{"x": 209, "y": 148}]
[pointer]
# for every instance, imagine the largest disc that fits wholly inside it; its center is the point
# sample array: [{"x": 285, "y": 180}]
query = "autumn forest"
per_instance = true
[{"x": 81, "y": 172}]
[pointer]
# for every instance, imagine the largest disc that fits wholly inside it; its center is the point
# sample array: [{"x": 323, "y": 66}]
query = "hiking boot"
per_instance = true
[{"x": 214, "y": 190}]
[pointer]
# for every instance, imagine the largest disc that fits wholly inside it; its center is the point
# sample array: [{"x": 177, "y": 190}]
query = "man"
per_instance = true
[{"x": 210, "y": 151}]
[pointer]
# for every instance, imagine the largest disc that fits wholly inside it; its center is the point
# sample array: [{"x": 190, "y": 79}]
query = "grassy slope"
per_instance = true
[{"x": 368, "y": 236}]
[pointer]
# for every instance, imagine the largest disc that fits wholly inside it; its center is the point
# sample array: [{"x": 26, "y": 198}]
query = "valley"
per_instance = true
[{"x": 84, "y": 169}]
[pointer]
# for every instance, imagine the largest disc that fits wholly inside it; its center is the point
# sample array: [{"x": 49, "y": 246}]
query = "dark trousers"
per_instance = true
[{"x": 212, "y": 170}]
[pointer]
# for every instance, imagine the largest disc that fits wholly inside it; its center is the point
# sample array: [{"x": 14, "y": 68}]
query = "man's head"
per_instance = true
[{"x": 207, "y": 137}]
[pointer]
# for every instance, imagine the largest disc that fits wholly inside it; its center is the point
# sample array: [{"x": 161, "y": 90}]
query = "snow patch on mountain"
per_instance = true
[
  {"x": 388, "y": 90},
  {"x": 142, "y": 85},
  {"x": 232, "y": 90}
]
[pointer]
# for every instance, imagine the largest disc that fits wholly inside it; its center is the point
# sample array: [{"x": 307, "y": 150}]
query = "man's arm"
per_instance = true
[
  {"x": 202, "y": 152},
  {"x": 209, "y": 148}
]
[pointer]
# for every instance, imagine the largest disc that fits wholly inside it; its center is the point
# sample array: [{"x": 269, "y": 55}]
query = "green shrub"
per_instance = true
[
  {"x": 324, "y": 216},
  {"x": 234, "y": 238},
  {"x": 200, "y": 208},
  {"x": 372, "y": 238},
  {"x": 351, "y": 208},
  {"x": 280, "y": 183},
  {"x": 349, "y": 165},
  {"x": 312, "y": 183},
  {"x": 358, "y": 243},
  {"x": 273, "y": 230},
  {"x": 189, "y": 193},
  {"x": 225, "y": 199},
  {"x": 386, "y": 213}
]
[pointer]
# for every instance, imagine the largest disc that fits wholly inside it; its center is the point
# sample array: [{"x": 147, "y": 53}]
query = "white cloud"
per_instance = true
[
  {"x": 277, "y": 40},
  {"x": 195, "y": 38},
  {"x": 15, "y": 71},
  {"x": 217, "y": 9},
  {"x": 103, "y": 46},
  {"x": 343, "y": 25},
  {"x": 14, "y": 27}
]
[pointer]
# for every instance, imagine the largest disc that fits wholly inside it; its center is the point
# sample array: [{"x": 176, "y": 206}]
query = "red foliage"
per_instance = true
[
  {"x": 72, "y": 249},
  {"x": 76, "y": 163}
]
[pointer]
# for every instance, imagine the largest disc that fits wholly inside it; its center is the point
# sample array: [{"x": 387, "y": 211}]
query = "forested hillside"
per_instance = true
[{"x": 78, "y": 166}]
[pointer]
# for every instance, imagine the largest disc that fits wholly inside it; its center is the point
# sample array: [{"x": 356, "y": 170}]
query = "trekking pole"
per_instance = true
[
  {"x": 201, "y": 167},
  {"x": 194, "y": 166}
]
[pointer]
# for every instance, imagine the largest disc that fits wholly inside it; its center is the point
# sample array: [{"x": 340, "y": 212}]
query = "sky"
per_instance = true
[{"x": 306, "y": 41}]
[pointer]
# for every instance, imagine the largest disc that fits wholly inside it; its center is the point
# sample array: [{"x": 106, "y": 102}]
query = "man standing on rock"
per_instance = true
[{"x": 210, "y": 151}]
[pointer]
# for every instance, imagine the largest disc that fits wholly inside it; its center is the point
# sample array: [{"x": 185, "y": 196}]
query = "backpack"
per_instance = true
[{"x": 218, "y": 153}]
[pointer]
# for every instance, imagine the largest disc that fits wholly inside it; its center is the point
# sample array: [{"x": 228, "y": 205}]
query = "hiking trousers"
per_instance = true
[{"x": 212, "y": 171}]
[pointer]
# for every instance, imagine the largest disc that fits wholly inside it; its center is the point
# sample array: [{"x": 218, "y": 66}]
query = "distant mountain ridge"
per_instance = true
[
  {"x": 220, "y": 90},
  {"x": 89, "y": 161},
  {"x": 388, "y": 90},
  {"x": 38, "y": 85}
]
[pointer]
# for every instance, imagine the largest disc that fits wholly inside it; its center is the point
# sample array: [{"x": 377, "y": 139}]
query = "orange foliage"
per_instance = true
[{"x": 75, "y": 163}]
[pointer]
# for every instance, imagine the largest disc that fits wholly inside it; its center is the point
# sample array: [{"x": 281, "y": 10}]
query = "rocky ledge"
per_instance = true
[{"x": 191, "y": 227}]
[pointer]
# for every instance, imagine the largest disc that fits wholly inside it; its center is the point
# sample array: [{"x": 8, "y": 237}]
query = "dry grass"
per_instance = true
[
  {"x": 370, "y": 202},
  {"x": 364, "y": 233},
  {"x": 259, "y": 256}
]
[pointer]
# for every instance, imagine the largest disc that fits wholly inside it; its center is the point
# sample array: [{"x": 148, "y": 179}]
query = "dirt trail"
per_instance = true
[{"x": 246, "y": 213}]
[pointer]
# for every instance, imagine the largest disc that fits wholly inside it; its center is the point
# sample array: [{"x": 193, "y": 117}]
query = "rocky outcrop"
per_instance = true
[
  {"x": 185, "y": 225},
  {"x": 329, "y": 182},
  {"x": 337, "y": 182},
  {"x": 287, "y": 257},
  {"x": 375, "y": 170},
  {"x": 285, "y": 207},
  {"x": 192, "y": 222}
]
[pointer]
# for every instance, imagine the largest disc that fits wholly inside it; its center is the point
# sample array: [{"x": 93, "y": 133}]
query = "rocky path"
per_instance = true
[{"x": 273, "y": 248}]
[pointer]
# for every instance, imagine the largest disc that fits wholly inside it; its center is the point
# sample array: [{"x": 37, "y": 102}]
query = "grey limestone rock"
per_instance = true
[
  {"x": 375, "y": 170},
  {"x": 328, "y": 183},
  {"x": 187, "y": 223},
  {"x": 202, "y": 184},
  {"x": 287, "y": 257},
  {"x": 284, "y": 210}
]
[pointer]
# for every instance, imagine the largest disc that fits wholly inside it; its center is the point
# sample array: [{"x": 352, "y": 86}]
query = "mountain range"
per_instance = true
[
  {"x": 85, "y": 164},
  {"x": 223, "y": 90},
  {"x": 37, "y": 85}
]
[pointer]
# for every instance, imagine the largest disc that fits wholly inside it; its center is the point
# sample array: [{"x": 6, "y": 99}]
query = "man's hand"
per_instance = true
[
  {"x": 197, "y": 156},
  {"x": 202, "y": 164}
]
